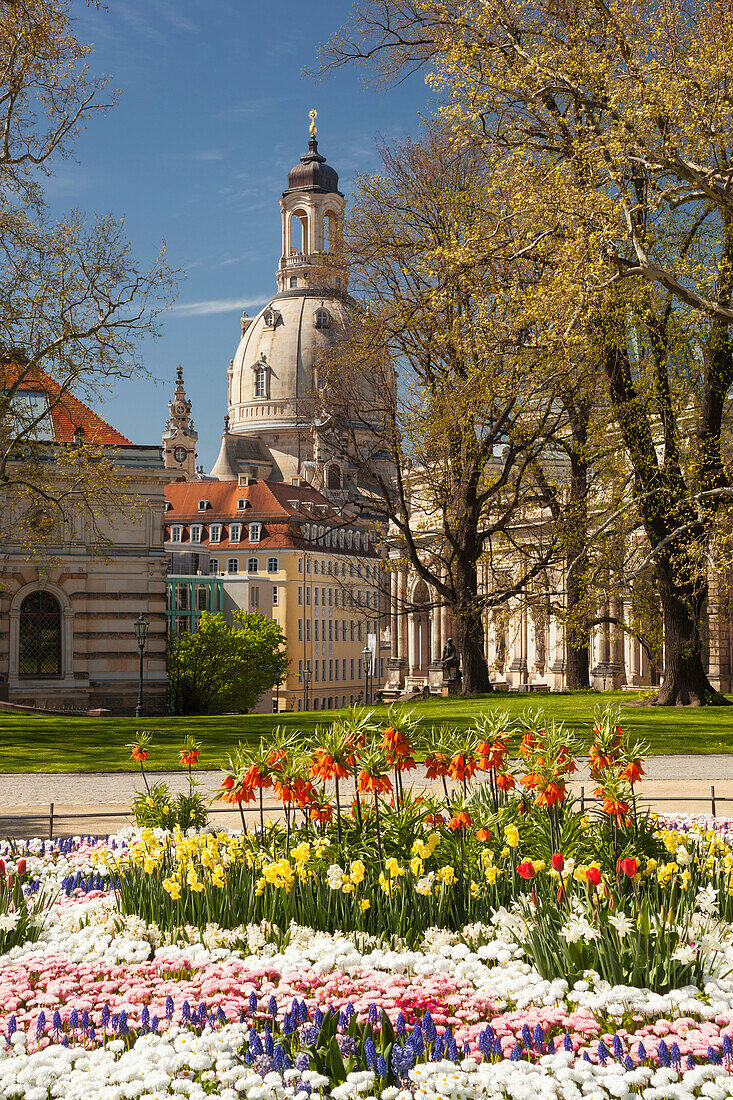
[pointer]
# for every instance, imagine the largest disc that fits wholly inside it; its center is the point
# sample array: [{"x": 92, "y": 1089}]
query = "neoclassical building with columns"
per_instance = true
[{"x": 524, "y": 643}]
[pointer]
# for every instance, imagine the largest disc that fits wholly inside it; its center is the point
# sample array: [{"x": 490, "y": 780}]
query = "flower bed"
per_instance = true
[{"x": 507, "y": 948}]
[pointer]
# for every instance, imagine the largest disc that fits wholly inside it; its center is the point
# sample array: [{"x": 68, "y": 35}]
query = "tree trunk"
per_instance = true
[
  {"x": 577, "y": 662},
  {"x": 685, "y": 681},
  {"x": 475, "y": 670}
]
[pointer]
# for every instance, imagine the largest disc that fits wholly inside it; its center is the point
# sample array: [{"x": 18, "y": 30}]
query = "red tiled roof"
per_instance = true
[
  {"x": 268, "y": 504},
  {"x": 68, "y": 414}
]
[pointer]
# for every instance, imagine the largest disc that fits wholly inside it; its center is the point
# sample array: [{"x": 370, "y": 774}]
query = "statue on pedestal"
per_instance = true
[{"x": 450, "y": 661}]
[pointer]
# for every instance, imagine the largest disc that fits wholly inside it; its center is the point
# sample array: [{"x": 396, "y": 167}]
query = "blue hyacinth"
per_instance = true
[
  {"x": 144, "y": 1018},
  {"x": 73, "y": 1019},
  {"x": 253, "y": 1002},
  {"x": 618, "y": 1046},
  {"x": 451, "y": 1049},
  {"x": 675, "y": 1054},
  {"x": 272, "y": 1007},
  {"x": 551, "y": 1045},
  {"x": 169, "y": 1007},
  {"x": 516, "y": 1054},
  {"x": 351, "y": 1011},
  {"x": 303, "y": 1012},
  {"x": 690, "y": 1062},
  {"x": 438, "y": 1049},
  {"x": 56, "y": 1021},
  {"x": 381, "y": 1067},
  {"x": 288, "y": 1027},
  {"x": 485, "y": 1042},
  {"x": 714, "y": 1057},
  {"x": 12, "y": 1026},
  {"x": 105, "y": 1015},
  {"x": 727, "y": 1046},
  {"x": 202, "y": 1012},
  {"x": 212, "y": 1021},
  {"x": 429, "y": 1029},
  {"x": 93, "y": 1035},
  {"x": 567, "y": 1043},
  {"x": 41, "y": 1023},
  {"x": 466, "y": 1050},
  {"x": 65, "y": 1041},
  {"x": 372, "y": 1014},
  {"x": 526, "y": 1036},
  {"x": 400, "y": 1025},
  {"x": 641, "y": 1052},
  {"x": 586, "y": 1056},
  {"x": 220, "y": 1015},
  {"x": 539, "y": 1037},
  {"x": 154, "y": 1025},
  {"x": 84, "y": 1021},
  {"x": 416, "y": 1040},
  {"x": 497, "y": 1048},
  {"x": 123, "y": 1023},
  {"x": 318, "y": 1018},
  {"x": 185, "y": 1013},
  {"x": 602, "y": 1053},
  {"x": 302, "y": 1062},
  {"x": 255, "y": 1044},
  {"x": 267, "y": 1042},
  {"x": 663, "y": 1053},
  {"x": 628, "y": 1063},
  {"x": 370, "y": 1054}
]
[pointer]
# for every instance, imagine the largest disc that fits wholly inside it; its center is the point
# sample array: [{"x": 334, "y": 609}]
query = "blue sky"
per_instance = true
[{"x": 213, "y": 114}]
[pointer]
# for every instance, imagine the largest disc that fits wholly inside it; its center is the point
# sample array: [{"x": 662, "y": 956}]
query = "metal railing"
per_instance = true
[{"x": 54, "y": 816}]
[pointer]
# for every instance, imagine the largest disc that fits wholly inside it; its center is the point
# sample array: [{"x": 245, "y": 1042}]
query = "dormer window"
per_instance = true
[
  {"x": 255, "y": 530},
  {"x": 203, "y": 505},
  {"x": 242, "y": 503},
  {"x": 322, "y": 318},
  {"x": 260, "y": 381},
  {"x": 169, "y": 506},
  {"x": 235, "y": 532},
  {"x": 176, "y": 534},
  {"x": 271, "y": 318},
  {"x": 295, "y": 505}
]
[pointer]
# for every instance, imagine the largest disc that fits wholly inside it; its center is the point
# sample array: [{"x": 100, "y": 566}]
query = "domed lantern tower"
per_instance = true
[{"x": 273, "y": 379}]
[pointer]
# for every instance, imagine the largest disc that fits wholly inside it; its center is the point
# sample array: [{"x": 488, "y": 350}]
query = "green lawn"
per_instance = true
[{"x": 99, "y": 744}]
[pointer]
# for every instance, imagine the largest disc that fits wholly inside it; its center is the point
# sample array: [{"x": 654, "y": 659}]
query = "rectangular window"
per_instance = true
[
  {"x": 176, "y": 534},
  {"x": 300, "y": 565},
  {"x": 323, "y": 597},
  {"x": 307, "y": 630},
  {"x": 252, "y": 566},
  {"x": 360, "y": 668},
  {"x": 300, "y": 630},
  {"x": 214, "y": 566},
  {"x": 300, "y": 595},
  {"x": 308, "y": 596},
  {"x": 330, "y": 670},
  {"x": 316, "y": 626},
  {"x": 232, "y": 565},
  {"x": 202, "y": 597},
  {"x": 351, "y": 630},
  {"x": 275, "y": 595},
  {"x": 254, "y": 597},
  {"x": 336, "y": 670},
  {"x": 336, "y": 630},
  {"x": 307, "y": 565},
  {"x": 358, "y": 632},
  {"x": 315, "y": 596},
  {"x": 330, "y": 630},
  {"x": 196, "y": 533},
  {"x": 273, "y": 565},
  {"x": 343, "y": 630},
  {"x": 351, "y": 668},
  {"x": 300, "y": 672},
  {"x": 254, "y": 532},
  {"x": 330, "y": 597},
  {"x": 215, "y": 532},
  {"x": 344, "y": 669},
  {"x": 235, "y": 532},
  {"x": 315, "y": 671}
]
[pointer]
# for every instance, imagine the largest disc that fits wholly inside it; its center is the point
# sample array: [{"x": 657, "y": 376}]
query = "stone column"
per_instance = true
[
  {"x": 394, "y": 618},
  {"x": 435, "y": 633},
  {"x": 402, "y": 605}
]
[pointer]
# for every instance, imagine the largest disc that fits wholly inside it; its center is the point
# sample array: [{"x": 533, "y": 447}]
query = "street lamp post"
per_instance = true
[
  {"x": 367, "y": 655},
  {"x": 306, "y": 681},
  {"x": 141, "y": 633}
]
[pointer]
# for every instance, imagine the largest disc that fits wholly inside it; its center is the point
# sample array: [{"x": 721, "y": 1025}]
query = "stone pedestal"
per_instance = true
[
  {"x": 443, "y": 681},
  {"x": 394, "y": 686}
]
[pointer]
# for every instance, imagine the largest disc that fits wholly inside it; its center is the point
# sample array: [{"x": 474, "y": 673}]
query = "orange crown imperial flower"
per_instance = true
[
  {"x": 461, "y": 820},
  {"x": 139, "y": 753},
  {"x": 380, "y": 784},
  {"x": 436, "y": 765}
]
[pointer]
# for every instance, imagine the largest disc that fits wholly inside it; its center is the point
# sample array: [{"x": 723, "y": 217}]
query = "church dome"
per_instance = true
[{"x": 313, "y": 174}]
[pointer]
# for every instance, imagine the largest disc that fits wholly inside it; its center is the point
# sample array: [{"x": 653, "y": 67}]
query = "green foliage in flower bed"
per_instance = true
[{"x": 604, "y": 890}]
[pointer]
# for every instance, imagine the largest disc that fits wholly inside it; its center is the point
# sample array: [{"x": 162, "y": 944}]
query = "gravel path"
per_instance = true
[{"x": 25, "y": 797}]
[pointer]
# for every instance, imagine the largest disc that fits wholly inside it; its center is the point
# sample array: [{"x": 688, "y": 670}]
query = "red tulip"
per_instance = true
[
  {"x": 593, "y": 876},
  {"x": 526, "y": 869},
  {"x": 629, "y": 867},
  {"x": 558, "y": 861},
  {"x": 21, "y": 866}
]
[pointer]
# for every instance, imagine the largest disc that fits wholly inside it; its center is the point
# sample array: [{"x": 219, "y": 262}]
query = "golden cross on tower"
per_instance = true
[{"x": 313, "y": 115}]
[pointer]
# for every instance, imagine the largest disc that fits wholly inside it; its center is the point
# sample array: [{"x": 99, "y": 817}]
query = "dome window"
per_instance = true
[
  {"x": 260, "y": 382},
  {"x": 293, "y": 281},
  {"x": 271, "y": 318},
  {"x": 322, "y": 318}
]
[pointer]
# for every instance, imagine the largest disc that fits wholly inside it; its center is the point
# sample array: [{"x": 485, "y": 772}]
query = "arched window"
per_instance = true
[
  {"x": 322, "y": 318},
  {"x": 39, "y": 636},
  {"x": 334, "y": 476},
  {"x": 260, "y": 382},
  {"x": 293, "y": 281}
]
